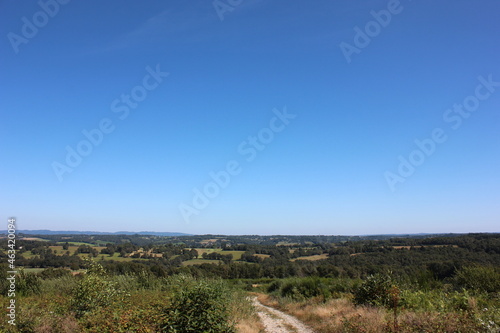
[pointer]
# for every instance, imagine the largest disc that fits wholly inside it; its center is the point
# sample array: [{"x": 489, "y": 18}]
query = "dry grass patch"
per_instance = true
[
  {"x": 341, "y": 315},
  {"x": 263, "y": 256},
  {"x": 250, "y": 325},
  {"x": 313, "y": 257},
  {"x": 335, "y": 315}
]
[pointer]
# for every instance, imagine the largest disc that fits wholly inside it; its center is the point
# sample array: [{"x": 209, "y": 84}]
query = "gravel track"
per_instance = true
[{"x": 276, "y": 321}]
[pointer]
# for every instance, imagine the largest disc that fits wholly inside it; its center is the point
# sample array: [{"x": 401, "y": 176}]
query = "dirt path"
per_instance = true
[{"x": 276, "y": 321}]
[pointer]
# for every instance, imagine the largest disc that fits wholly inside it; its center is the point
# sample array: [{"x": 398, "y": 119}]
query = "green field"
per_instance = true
[
  {"x": 236, "y": 254},
  {"x": 28, "y": 255},
  {"x": 203, "y": 250},
  {"x": 313, "y": 258}
]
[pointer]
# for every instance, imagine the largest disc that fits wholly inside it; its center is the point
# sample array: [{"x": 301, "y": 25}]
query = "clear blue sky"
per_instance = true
[{"x": 355, "y": 102}]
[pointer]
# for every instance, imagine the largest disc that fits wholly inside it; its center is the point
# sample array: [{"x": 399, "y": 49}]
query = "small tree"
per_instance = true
[
  {"x": 93, "y": 291},
  {"x": 199, "y": 307},
  {"x": 28, "y": 283},
  {"x": 375, "y": 290}
]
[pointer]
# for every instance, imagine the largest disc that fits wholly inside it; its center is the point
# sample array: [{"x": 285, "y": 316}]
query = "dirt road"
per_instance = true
[{"x": 276, "y": 321}]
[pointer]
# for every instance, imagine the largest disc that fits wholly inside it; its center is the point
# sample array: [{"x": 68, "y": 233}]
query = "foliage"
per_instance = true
[
  {"x": 28, "y": 283},
  {"x": 375, "y": 290},
  {"x": 199, "y": 306},
  {"x": 275, "y": 286},
  {"x": 305, "y": 288},
  {"x": 51, "y": 273},
  {"x": 94, "y": 290},
  {"x": 479, "y": 278}
]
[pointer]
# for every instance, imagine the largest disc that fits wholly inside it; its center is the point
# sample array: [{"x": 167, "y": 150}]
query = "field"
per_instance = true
[
  {"x": 236, "y": 254},
  {"x": 36, "y": 239},
  {"x": 312, "y": 258}
]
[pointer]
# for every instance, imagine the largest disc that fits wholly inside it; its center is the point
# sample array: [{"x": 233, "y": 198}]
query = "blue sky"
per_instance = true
[{"x": 309, "y": 123}]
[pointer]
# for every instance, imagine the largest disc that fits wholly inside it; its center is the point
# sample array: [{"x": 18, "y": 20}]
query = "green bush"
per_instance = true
[
  {"x": 147, "y": 280},
  {"x": 424, "y": 300},
  {"x": 94, "y": 290},
  {"x": 341, "y": 285},
  {"x": 478, "y": 278},
  {"x": 199, "y": 306},
  {"x": 28, "y": 283},
  {"x": 375, "y": 290},
  {"x": 53, "y": 273},
  {"x": 305, "y": 288},
  {"x": 125, "y": 283},
  {"x": 274, "y": 286}
]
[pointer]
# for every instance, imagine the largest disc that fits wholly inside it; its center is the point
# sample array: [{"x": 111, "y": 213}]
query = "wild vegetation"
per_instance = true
[{"x": 94, "y": 283}]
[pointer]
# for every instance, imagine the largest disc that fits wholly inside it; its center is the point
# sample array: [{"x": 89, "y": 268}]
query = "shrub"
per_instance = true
[
  {"x": 199, "y": 306},
  {"x": 275, "y": 285},
  {"x": 305, "y": 288},
  {"x": 94, "y": 290},
  {"x": 53, "y": 273},
  {"x": 146, "y": 280},
  {"x": 375, "y": 290},
  {"x": 28, "y": 283},
  {"x": 478, "y": 278}
]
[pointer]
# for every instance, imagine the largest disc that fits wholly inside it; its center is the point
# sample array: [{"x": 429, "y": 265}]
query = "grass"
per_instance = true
[
  {"x": 236, "y": 254},
  {"x": 35, "y": 239},
  {"x": 312, "y": 258},
  {"x": 203, "y": 250},
  {"x": 27, "y": 254}
]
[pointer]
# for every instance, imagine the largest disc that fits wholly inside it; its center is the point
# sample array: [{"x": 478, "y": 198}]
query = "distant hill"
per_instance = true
[{"x": 67, "y": 232}]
